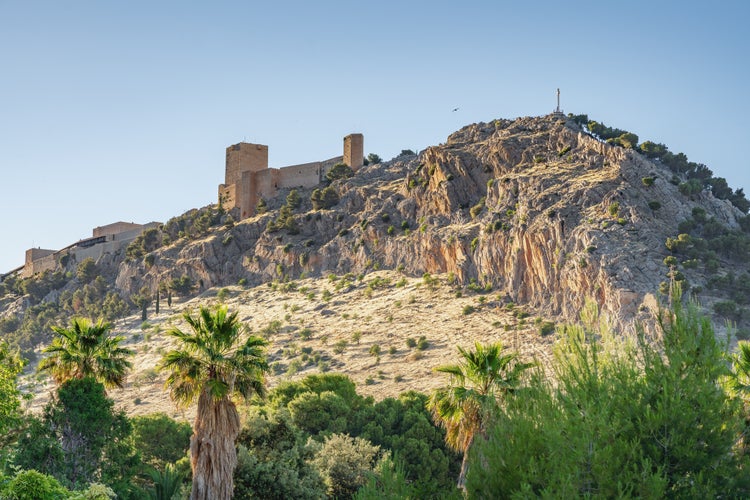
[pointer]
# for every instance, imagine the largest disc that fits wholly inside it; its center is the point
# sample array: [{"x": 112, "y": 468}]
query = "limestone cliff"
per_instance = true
[{"x": 535, "y": 208}]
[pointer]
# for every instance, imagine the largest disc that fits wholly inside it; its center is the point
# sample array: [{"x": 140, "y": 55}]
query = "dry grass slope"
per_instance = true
[{"x": 367, "y": 328}]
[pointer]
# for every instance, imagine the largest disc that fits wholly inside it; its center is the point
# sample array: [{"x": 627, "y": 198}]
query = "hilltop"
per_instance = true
[{"x": 503, "y": 231}]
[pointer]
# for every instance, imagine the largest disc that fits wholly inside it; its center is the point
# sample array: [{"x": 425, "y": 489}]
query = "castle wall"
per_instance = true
[
  {"x": 228, "y": 196},
  {"x": 304, "y": 175},
  {"x": 39, "y": 260},
  {"x": 244, "y": 157},
  {"x": 265, "y": 185},
  {"x": 115, "y": 228},
  {"x": 354, "y": 150}
]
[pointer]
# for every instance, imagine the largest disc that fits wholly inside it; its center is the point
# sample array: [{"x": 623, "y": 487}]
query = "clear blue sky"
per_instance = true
[{"x": 116, "y": 111}]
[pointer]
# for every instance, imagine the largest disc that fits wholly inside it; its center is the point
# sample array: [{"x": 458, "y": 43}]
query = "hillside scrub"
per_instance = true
[{"x": 698, "y": 176}]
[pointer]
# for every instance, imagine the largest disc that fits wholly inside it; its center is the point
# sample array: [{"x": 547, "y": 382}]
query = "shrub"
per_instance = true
[
  {"x": 477, "y": 209},
  {"x": 468, "y": 309},
  {"x": 648, "y": 181},
  {"x": 614, "y": 208},
  {"x": 339, "y": 171},
  {"x": 727, "y": 309},
  {"x": 340, "y": 346},
  {"x": 33, "y": 485},
  {"x": 474, "y": 243},
  {"x": 411, "y": 342},
  {"x": 160, "y": 439},
  {"x": 373, "y": 159},
  {"x": 345, "y": 463},
  {"x": 546, "y": 328},
  {"x": 654, "y": 205},
  {"x": 323, "y": 199}
]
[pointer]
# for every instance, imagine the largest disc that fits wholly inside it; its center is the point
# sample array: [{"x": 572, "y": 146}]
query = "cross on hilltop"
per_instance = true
[{"x": 558, "y": 111}]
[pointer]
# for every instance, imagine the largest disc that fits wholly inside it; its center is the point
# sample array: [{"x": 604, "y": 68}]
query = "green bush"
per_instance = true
[
  {"x": 477, "y": 209},
  {"x": 654, "y": 205},
  {"x": 160, "y": 439},
  {"x": 339, "y": 171},
  {"x": 422, "y": 343},
  {"x": 345, "y": 463},
  {"x": 648, "y": 181},
  {"x": 33, "y": 485},
  {"x": 474, "y": 244},
  {"x": 273, "y": 461},
  {"x": 546, "y": 328},
  {"x": 323, "y": 199},
  {"x": 614, "y": 208},
  {"x": 727, "y": 309}
]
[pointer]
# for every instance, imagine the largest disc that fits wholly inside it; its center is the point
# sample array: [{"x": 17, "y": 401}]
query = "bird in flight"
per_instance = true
[{"x": 455, "y": 109}]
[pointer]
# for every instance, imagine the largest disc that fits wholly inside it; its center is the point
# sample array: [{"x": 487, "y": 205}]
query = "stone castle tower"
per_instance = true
[
  {"x": 354, "y": 150},
  {"x": 248, "y": 179}
]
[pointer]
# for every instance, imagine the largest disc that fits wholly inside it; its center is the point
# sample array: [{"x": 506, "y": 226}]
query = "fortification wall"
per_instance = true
[
  {"x": 115, "y": 228},
  {"x": 244, "y": 157},
  {"x": 228, "y": 196},
  {"x": 303, "y": 175},
  {"x": 33, "y": 254},
  {"x": 39, "y": 260}
]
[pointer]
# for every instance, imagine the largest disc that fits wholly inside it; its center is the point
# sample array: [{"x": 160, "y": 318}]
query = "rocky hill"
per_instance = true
[
  {"x": 534, "y": 208},
  {"x": 536, "y": 215}
]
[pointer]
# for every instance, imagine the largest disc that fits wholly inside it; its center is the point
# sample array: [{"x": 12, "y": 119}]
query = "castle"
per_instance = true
[
  {"x": 248, "y": 179},
  {"x": 104, "y": 240}
]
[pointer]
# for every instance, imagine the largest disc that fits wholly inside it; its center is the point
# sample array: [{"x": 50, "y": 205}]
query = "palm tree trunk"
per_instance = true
[
  {"x": 464, "y": 469},
  {"x": 213, "y": 456},
  {"x": 465, "y": 466}
]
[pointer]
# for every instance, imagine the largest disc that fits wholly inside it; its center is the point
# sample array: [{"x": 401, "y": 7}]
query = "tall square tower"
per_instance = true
[
  {"x": 244, "y": 157},
  {"x": 354, "y": 150}
]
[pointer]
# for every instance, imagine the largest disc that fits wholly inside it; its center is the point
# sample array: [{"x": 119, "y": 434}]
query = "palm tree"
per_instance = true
[
  {"x": 477, "y": 383},
  {"x": 212, "y": 364},
  {"x": 738, "y": 382},
  {"x": 86, "y": 349}
]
